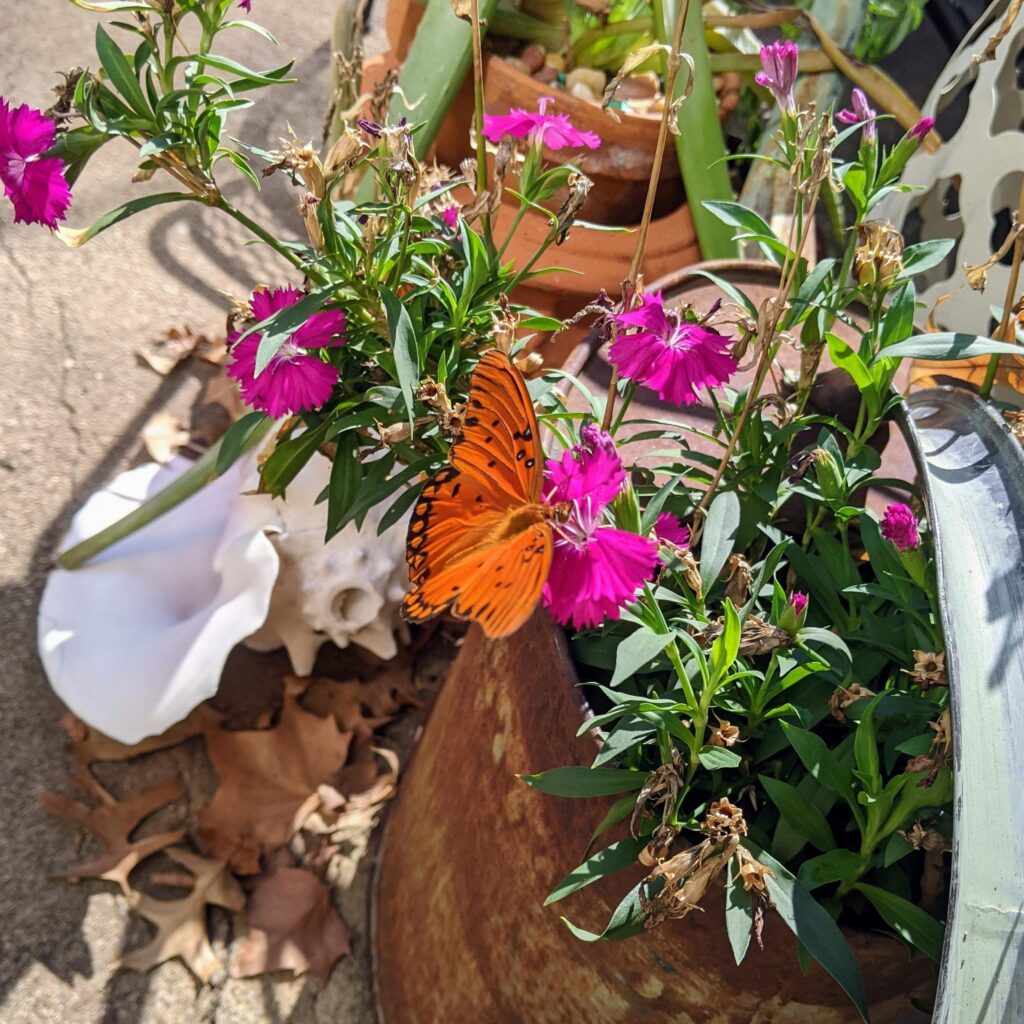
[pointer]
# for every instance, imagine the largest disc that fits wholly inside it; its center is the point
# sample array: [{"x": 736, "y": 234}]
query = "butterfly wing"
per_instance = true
[{"x": 474, "y": 545}]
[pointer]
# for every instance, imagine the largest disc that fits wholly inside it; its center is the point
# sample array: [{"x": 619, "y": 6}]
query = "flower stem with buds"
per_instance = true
[
  {"x": 630, "y": 285},
  {"x": 478, "y": 101}
]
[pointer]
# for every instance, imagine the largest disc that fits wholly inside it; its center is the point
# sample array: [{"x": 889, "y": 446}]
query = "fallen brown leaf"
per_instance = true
[
  {"x": 88, "y": 744},
  {"x": 163, "y": 435},
  {"x": 223, "y": 391},
  {"x": 293, "y": 926},
  {"x": 176, "y": 345},
  {"x": 268, "y": 781},
  {"x": 181, "y": 924},
  {"x": 112, "y": 823}
]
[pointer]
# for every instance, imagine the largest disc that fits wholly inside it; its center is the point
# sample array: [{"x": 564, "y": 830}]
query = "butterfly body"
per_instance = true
[{"x": 480, "y": 536}]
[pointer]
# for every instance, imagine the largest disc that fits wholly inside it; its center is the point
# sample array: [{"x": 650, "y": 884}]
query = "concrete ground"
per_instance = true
[{"x": 73, "y": 398}]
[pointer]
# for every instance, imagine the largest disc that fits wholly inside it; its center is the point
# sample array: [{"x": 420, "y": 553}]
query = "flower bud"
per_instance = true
[
  {"x": 344, "y": 154},
  {"x": 877, "y": 261},
  {"x": 829, "y": 477},
  {"x": 793, "y": 615}
]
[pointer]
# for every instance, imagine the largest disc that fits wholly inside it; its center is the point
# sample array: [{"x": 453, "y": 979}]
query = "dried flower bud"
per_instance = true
[
  {"x": 877, "y": 261},
  {"x": 394, "y": 433},
  {"x": 741, "y": 579},
  {"x": 753, "y": 873},
  {"x": 929, "y": 670},
  {"x": 529, "y": 363},
  {"x": 302, "y": 160},
  {"x": 579, "y": 188},
  {"x": 921, "y": 838},
  {"x": 725, "y": 734},
  {"x": 723, "y": 821},
  {"x": 844, "y": 697},
  {"x": 1015, "y": 421},
  {"x": 308, "y": 207},
  {"x": 345, "y": 154},
  {"x": 504, "y": 325}
]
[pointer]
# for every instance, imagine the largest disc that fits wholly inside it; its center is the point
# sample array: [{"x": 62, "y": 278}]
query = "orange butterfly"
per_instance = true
[{"x": 480, "y": 536}]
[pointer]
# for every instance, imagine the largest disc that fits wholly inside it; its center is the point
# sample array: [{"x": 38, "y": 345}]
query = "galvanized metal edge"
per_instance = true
[{"x": 972, "y": 474}]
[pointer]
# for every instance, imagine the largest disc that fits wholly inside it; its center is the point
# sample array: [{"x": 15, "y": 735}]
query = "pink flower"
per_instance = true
[
  {"x": 450, "y": 216},
  {"x": 552, "y": 130},
  {"x": 899, "y": 526},
  {"x": 589, "y": 470},
  {"x": 780, "y": 61},
  {"x": 798, "y": 602},
  {"x": 861, "y": 112},
  {"x": 792, "y": 617},
  {"x": 920, "y": 130},
  {"x": 670, "y": 530},
  {"x": 595, "y": 568},
  {"x": 293, "y": 380},
  {"x": 246, "y": 5},
  {"x": 669, "y": 355},
  {"x": 33, "y": 183}
]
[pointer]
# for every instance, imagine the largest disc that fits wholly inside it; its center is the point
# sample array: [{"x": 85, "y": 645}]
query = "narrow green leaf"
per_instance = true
[
  {"x": 636, "y": 651},
  {"x": 907, "y": 920},
  {"x": 947, "y": 346},
  {"x": 249, "y": 78},
  {"x": 811, "y": 923},
  {"x": 800, "y": 814},
  {"x": 716, "y": 758},
  {"x": 237, "y": 439},
  {"x": 398, "y": 508},
  {"x": 582, "y": 782},
  {"x": 925, "y": 255},
  {"x": 833, "y": 866},
  {"x": 403, "y": 347},
  {"x": 622, "y": 808},
  {"x": 626, "y": 920},
  {"x": 719, "y": 536},
  {"x": 120, "y": 73},
  {"x": 75, "y": 237},
  {"x": 739, "y": 914},
  {"x": 287, "y": 459},
  {"x": 613, "y": 857},
  {"x": 865, "y": 749},
  {"x": 346, "y": 478},
  {"x": 820, "y": 762}
]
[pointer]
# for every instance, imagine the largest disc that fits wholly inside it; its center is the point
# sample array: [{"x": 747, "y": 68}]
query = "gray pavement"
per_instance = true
[{"x": 73, "y": 398}]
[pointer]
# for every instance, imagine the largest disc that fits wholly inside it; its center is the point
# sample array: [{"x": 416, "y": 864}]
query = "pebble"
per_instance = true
[
  {"x": 533, "y": 57},
  {"x": 583, "y": 92},
  {"x": 638, "y": 87},
  {"x": 554, "y": 60},
  {"x": 589, "y": 78}
]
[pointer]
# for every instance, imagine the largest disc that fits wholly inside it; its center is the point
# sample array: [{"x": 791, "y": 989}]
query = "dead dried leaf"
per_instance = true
[
  {"x": 293, "y": 926},
  {"x": 223, "y": 391},
  {"x": 181, "y": 924},
  {"x": 163, "y": 435},
  {"x": 89, "y": 745},
  {"x": 112, "y": 823},
  {"x": 268, "y": 781},
  {"x": 176, "y": 345}
]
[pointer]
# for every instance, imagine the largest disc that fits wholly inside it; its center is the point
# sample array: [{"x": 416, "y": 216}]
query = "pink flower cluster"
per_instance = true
[
  {"x": 669, "y": 355},
  {"x": 35, "y": 184},
  {"x": 294, "y": 380},
  {"x": 900, "y": 527},
  {"x": 861, "y": 113},
  {"x": 596, "y": 568},
  {"x": 555, "y": 131},
  {"x": 779, "y": 65}
]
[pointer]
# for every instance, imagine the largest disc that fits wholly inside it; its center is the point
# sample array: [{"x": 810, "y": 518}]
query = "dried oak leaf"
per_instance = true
[
  {"x": 293, "y": 926},
  {"x": 181, "y": 924},
  {"x": 176, "y": 345},
  {"x": 112, "y": 823},
  {"x": 268, "y": 781},
  {"x": 163, "y": 435},
  {"x": 88, "y": 745}
]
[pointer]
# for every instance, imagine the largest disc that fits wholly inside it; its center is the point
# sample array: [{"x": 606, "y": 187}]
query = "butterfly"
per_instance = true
[{"x": 480, "y": 536}]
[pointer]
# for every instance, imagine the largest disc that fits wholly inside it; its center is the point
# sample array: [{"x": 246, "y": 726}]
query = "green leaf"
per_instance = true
[
  {"x": 236, "y": 440},
  {"x": 398, "y": 508},
  {"x": 249, "y": 78},
  {"x": 946, "y": 346},
  {"x": 120, "y": 73},
  {"x": 76, "y": 148},
  {"x": 626, "y": 920},
  {"x": 820, "y": 762},
  {"x": 925, "y": 255},
  {"x": 865, "y": 748},
  {"x": 346, "y": 479},
  {"x": 812, "y": 924},
  {"x": 636, "y": 651},
  {"x": 622, "y": 808},
  {"x": 898, "y": 322},
  {"x": 800, "y": 814},
  {"x": 716, "y": 758},
  {"x": 582, "y": 782},
  {"x": 739, "y": 914},
  {"x": 846, "y": 359},
  {"x": 726, "y": 647},
  {"x": 403, "y": 347},
  {"x": 833, "y": 866},
  {"x": 613, "y": 857},
  {"x": 907, "y": 920},
  {"x": 720, "y": 530},
  {"x": 75, "y": 237},
  {"x": 737, "y": 215}
]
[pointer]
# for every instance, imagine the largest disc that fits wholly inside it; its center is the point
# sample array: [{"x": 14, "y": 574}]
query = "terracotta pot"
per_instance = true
[{"x": 469, "y": 854}]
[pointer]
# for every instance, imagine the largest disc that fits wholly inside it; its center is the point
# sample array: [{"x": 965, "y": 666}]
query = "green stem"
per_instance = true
[
  {"x": 264, "y": 236},
  {"x": 478, "y": 103},
  {"x": 520, "y": 213},
  {"x": 202, "y": 472}
]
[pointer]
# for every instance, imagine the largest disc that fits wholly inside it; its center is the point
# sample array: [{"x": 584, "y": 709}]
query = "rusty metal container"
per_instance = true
[{"x": 470, "y": 852}]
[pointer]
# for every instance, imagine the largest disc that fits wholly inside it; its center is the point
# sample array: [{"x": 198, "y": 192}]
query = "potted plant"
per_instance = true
[{"x": 765, "y": 724}]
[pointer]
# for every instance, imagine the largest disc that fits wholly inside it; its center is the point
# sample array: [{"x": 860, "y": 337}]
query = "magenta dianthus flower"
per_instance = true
[
  {"x": 920, "y": 130},
  {"x": 595, "y": 567},
  {"x": 34, "y": 184},
  {"x": 246, "y": 5},
  {"x": 450, "y": 216},
  {"x": 669, "y": 530},
  {"x": 798, "y": 602},
  {"x": 779, "y": 62},
  {"x": 862, "y": 112},
  {"x": 899, "y": 526},
  {"x": 555, "y": 131},
  {"x": 669, "y": 355},
  {"x": 293, "y": 380}
]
